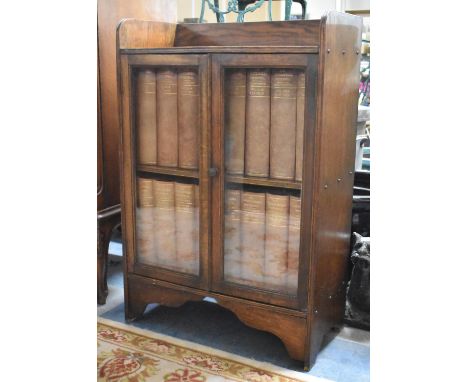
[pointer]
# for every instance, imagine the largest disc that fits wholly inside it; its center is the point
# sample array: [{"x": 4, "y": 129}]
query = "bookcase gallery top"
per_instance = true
[{"x": 299, "y": 36}]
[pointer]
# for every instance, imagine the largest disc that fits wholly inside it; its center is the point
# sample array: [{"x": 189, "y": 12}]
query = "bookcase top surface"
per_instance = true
[
  {"x": 261, "y": 36},
  {"x": 298, "y": 36}
]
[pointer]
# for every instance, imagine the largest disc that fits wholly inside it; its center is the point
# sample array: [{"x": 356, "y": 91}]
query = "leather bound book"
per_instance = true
[
  {"x": 165, "y": 224},
  {"x": 232, "y": 236},
  {"x": 196, "y": 229},
  {"x": 300, "y": 124},
  {"x": 235, "y": 121},
  {"x": 144, "y": 225},
  {"x": 185, "y": 226},
  {"x": 257, "y": 120},
  {"x": 146, "y": 117},
  {"x": 276, "y": 241},
  {"x": 253, "y": 238},
  {"x": 188, "y": 91},
  {"x": 283, "y": 124},
  {"x": 293, "y": 243},
  {"x": 166, "y": 104}
]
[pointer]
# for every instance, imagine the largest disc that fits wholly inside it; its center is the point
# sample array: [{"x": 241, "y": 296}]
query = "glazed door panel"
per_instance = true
[
  {"x": 168, "y": 130},
  {"x": 262, "y": 114}
]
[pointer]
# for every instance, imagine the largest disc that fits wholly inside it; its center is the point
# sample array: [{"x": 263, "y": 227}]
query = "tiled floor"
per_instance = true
[{"x": 343, "y": 358}]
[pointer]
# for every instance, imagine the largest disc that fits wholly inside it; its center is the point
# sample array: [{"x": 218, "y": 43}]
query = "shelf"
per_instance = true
[
  {"x": 175, "y": 171},
  {"x": 266, "y": 182}
]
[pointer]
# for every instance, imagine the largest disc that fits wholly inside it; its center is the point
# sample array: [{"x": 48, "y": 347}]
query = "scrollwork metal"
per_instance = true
[{"x": 233, "y": 7}]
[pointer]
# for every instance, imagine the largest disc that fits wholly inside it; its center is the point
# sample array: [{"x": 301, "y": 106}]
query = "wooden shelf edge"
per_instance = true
[
  {"x": 168, "y": 171},
  {"x": 265, "y": 182}
]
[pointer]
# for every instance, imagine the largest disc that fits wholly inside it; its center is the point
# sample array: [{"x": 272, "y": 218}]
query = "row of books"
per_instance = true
[
  {"x": 261, "y": 240},
  {"x": 167, "y": 117},
  {"x": 264, "y": 122},
  {"x": 168, "y": 225},
  {"x": 261, "y": 237}
]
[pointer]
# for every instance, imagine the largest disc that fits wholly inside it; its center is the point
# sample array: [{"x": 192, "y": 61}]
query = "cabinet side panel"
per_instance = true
[
  {"x": 100, "y": 164},
  {"x": 336, "y": 120}
]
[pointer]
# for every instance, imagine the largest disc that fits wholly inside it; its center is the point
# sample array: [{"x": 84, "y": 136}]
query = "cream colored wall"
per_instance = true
[{"x": 357, "y": 5}]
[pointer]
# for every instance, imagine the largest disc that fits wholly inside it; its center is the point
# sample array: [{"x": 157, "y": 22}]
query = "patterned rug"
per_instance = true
[{"x": 129, "y": 354}]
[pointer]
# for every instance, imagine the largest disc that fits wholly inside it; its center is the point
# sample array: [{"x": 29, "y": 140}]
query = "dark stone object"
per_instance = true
[{"x": 357, "y": 311}]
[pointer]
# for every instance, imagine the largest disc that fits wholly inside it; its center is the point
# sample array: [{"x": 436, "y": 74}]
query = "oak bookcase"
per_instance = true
[{"x": 237, "y": 166}]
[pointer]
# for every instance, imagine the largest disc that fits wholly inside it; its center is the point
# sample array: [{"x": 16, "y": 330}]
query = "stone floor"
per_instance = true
[{"x": 343, "y": 358}]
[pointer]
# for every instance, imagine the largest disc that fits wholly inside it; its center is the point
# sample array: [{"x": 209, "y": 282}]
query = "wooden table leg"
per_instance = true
[{"x": 105, "y": 224}]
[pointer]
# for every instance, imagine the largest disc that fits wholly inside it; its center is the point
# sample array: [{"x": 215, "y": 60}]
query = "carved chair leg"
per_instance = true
[
  {"x": 104, "y": 234},
  {"x": 303, "y": 6}
]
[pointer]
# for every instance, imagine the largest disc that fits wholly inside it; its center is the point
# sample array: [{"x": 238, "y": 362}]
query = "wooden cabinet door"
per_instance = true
[
  {"x": 165, "y": 135},
  {"x": 262, "y": 113}
]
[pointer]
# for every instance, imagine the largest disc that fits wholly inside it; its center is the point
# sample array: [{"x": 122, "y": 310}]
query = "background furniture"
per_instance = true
[
  {"x": 240, "y": 8},
  {"x": 181, "y": 215},
  {"x": 110, "y": 12}
]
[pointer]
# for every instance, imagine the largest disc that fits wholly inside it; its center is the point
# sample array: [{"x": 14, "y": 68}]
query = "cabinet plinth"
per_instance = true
[{"x": 237, "y": 167}]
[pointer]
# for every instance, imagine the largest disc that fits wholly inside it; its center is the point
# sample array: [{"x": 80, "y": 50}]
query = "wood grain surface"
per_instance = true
[{"x": 329, "y": 55}]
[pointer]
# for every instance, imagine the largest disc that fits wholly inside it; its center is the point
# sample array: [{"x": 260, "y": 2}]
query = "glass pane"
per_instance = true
[
  {"x": 167, "y": 124},
  {"x": 264, "y": 124},
  {"x": 168, "y": 224}
]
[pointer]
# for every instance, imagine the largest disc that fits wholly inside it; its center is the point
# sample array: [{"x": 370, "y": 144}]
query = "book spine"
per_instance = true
[
  {"x": 185, "y": 225},
  {"x": 257, "y": 159},
  {"x": 253, "y": 238},
  {"x": 146, "y": 117},
  {"x": 188, "y": 91},
  {"x": 164, "y": 224},
  {"x": 300, "y": 124},
  {"x": 283, "y": 124},
  {"x": 276, "y": 241},
  {"x": 293, "y": 243},
  {"x": 166, "y": 102},
  {"x": 235, "y": 121},
  {"x": 144, "y": 224},
  {"x": 196, "y": 230},
  {"x": 232, "y": 236}
]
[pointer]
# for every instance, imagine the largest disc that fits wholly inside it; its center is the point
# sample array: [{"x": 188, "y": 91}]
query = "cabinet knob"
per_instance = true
[{"x": 213, "y": 171}]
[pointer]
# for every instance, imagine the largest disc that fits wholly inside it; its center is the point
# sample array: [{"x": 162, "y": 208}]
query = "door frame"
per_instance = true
[
  {"x": 128, "y": 65},
  {"x": 219, "y": 62}
]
